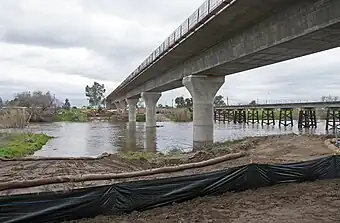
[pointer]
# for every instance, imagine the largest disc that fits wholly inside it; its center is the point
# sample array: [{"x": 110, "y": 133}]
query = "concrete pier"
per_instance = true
[
  {"x": 109, "y": 104},
  {"x": 132, "y": 103},
  {"x": 150, "y": 100},
  {"x": 122, "y": 105},
  {"x": 203, "y": 90},
  {"x": 117, "y": 104}
]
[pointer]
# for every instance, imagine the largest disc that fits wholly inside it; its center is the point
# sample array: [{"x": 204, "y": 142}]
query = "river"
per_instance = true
[{"x": 95, "y": 138}]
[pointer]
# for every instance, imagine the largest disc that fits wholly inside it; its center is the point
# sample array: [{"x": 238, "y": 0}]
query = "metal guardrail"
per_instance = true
[{"x": 202, "y": 14}]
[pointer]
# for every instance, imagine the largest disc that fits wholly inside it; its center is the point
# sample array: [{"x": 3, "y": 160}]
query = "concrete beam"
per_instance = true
[
  {"x": 299, "y": 30},
  {"x": 233, "y": 18}
]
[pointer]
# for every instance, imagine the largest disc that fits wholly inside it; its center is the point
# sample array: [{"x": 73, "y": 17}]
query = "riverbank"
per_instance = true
[
  {"x": 268, "y": 149},
  {"x": 308, "y": 202},
  {"x": 16, "y": 145}
]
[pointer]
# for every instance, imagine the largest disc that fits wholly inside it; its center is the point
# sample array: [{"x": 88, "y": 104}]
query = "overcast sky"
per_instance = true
[{"x": 62, "y": 45}]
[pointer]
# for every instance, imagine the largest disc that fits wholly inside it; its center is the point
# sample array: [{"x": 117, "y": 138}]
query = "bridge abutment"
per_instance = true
[
  {"x": 132, "y": 103},
  {"x": 151, "y": 99},
  {"x": 203, "y": 90}
]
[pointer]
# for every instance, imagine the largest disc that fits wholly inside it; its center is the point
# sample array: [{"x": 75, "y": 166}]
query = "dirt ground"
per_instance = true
[
  {"x": 269, "y": 149},
  {"x": 309, "y": 202}
]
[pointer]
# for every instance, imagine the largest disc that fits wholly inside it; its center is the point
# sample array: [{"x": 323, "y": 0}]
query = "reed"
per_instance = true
[{"x": 14, "y": 117}]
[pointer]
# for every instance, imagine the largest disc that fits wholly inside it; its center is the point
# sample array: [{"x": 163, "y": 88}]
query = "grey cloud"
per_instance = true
[
  {"x": 171, "y": 13},
  {"x": 122, "y": 35},
  {"x": 146, "y": 23}
]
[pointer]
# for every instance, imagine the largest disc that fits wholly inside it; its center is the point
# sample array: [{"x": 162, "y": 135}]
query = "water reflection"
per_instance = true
[
  {"x": 131, "y": 137},
  {"x": 150, "y": 144},
  {"x": 95, "y": 138}
]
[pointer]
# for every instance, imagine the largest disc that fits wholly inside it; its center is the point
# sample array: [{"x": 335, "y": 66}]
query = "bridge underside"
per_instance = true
[
  {"x": 254, "y": 39},
  {"x": 304, "y": 28},
  {"x": 227, "y": 23}
]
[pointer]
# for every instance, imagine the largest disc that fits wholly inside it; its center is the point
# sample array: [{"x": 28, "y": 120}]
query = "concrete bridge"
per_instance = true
[{"x": 224, "y": 37}]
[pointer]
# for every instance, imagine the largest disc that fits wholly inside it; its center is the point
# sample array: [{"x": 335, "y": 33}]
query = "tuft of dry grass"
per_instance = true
[
  {"x": 180, "y": 116},
  {"x": 13, "y": 118}
]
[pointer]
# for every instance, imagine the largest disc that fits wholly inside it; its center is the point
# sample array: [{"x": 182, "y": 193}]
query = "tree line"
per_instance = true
[
  {"x": 96, "y": 98},
  {"x": 181, "y": 102},
  {"x": 44, "y": 100}
]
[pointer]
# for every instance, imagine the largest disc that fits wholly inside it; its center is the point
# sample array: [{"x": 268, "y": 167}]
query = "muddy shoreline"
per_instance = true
[
  {"x": 308, "y": 202},
  {"x": 269, "y": 149}
]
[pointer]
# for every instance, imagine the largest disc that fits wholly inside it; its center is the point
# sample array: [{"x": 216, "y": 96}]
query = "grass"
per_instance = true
[
  {"x": 140, "y": 118},
  {"x": 181, "y": 154},
  {"x": 15, "y": 145},
  {"x": 72, "y": 115},
  {"x": 141, "y": 155}
]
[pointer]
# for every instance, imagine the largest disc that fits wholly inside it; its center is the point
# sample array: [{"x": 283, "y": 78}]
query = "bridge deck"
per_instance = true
[{"x": 206, "y": 27}]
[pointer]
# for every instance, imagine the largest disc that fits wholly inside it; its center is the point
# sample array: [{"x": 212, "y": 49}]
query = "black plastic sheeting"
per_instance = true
[{"x": 141, "y": 195}]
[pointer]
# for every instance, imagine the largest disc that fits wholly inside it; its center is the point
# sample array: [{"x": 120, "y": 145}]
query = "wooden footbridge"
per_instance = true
[{"x": 267, "y": 114}]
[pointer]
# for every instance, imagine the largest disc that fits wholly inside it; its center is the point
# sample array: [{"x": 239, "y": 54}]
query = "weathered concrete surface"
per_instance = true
[
  {"x": 235, "y": 17},
  {"x": 150, "y": 100},
  {"x": 283, "y": 33},
  {"x": 122, "y": 106},
  {"x": 132, "y": 103},
  {"x": 116, "y": 103},
  {"x": 203, "y": 90}
]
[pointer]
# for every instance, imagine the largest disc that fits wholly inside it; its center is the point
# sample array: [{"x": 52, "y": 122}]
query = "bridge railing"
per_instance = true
[{"x": 208, "y": 9}]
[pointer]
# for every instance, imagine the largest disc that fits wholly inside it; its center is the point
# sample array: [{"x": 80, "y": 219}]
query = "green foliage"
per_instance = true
[
  {"x": 14, "y": 145},
  {"x": 95, "y": 94},
  {"x": 140, "y": 118},
  {"x": 67, "y": 104},
  {"x": 182, "y": 102},
  {"x": 188, "y": 102},
  {"x": 72, "y": 115},
  {"x": 219, "y": 101}
]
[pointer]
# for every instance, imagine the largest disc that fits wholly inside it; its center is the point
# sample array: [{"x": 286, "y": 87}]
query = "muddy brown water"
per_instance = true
[{"x": 95, "y": 138}]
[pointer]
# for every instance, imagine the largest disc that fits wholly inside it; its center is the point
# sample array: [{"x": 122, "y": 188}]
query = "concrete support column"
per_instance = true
[
  {"x": 203, "y": 90},
  {"x": 150, "y": 100},
  {"x": 108, "y": 104},
  {"x": 132, "y": 103},
  {"x": 117, "y": 104},
  {"x": 122, "y": 106}
]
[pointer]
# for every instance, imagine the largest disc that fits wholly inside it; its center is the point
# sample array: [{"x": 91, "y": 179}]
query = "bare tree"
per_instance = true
[{"x": 40, "y": 105}]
